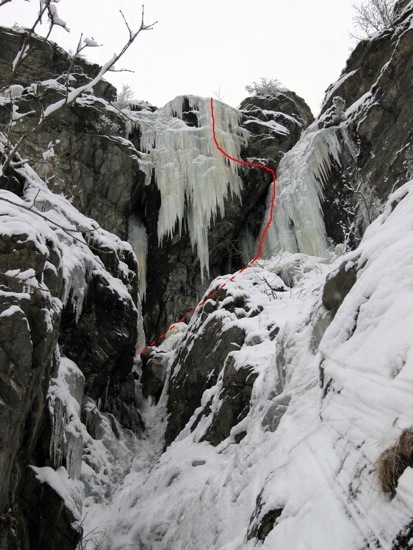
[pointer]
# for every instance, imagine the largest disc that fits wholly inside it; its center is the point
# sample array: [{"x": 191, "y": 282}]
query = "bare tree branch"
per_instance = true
[
  {"x": 70, "y": 95},
  {"x": 373, "y": 16},
  {"x": 25, "y": 48}
]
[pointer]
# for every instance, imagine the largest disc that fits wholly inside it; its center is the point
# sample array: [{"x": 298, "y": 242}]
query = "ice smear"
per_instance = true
[
  {"x": 64, "y": 402},
  {"x": 139, "y": 240}
]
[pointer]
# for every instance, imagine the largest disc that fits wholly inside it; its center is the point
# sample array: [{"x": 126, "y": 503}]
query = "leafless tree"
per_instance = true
[
  {"x": 265, "y": 87},
  {"x": 124, "y": 97},
  {"x": 373, "y": 16}
]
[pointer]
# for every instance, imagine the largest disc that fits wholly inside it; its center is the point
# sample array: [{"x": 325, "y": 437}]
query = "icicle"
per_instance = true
[
  {"x": 298, "y": 218},
  {"x": 64, "y": 401},
  {"x": 139, "y": 241},
  {"x": 194, "y": 178}
]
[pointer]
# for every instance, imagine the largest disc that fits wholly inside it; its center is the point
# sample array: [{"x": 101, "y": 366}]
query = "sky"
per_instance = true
[{"x": 209, "y": 47}]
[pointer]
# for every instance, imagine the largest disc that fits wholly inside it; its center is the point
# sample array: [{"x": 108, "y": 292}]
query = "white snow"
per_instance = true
[
  {"x": 91, "y": 42},
  {"x": 309, "y": 451},
  {"x": 59, "y": 481},
  {"x": 332, "y": 89},
  {"x": 173, "y": 336},
  {"x": 12, "y": 310},
  {"x": 272, "y": 124}
]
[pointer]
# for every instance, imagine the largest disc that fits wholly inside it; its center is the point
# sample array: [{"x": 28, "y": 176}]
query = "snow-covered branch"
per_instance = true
[{"x": 70, "y": 93}]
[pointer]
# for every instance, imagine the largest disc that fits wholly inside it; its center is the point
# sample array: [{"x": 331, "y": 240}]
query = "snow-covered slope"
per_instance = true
[{"x": 308, "y": 471}]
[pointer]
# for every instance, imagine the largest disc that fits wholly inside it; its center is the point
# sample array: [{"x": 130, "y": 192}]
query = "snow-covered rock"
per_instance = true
[
  {"x": 302, "y": 467},
  {"x": 278, "y": 415},
  {"x": 68, "y": 291}
]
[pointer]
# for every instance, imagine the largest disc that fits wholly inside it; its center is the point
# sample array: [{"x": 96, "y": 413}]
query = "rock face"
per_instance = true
[
  {"x": 207, "y": 358},
  {"x": 377, "y": 132},
  {"x": 68, "y": 290},
  {"x": 337, "y": 286},
  {"x": 29, "y": 323},
  {"x": 197, "y": 368},
  {"x": 56, "y": 297},
  {"x": 107, "y": 177},
  {"x": 90, "y": 167},
  {"x": 69, "y": 304}
]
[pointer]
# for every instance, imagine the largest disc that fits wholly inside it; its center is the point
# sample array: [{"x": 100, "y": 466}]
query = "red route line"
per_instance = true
[
  {"x": 252, "y": 165},
  {"x": 264, "y": 231}
]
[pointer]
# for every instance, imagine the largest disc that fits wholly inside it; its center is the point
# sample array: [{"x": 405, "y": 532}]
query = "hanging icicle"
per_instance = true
[{"x": 194, "y": 179}]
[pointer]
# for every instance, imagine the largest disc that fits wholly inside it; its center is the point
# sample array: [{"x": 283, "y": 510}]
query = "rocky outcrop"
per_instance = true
[
  {"x": 56, "y": 525},
  {"x": 102, "y": 173},
  {"x": 276, "y": 122},
  {"x": 223, "y": 329},
  {"x": 338, "y": 285},
  {"x": 377, "y": 132},
  {"x": 196, "y": 369},
  {"x": 153, "y": 373},
  {"x": 262, "y": 521},
  {"x": 29, "y": 323},
  {"x": 56, "y": 297},
  {"x": 90, "y": 165},
  {"x": 68, "y": 290}
]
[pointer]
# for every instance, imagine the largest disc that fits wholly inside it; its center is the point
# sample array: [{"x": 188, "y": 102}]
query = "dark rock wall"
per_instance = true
[
  {"x": 95, "y": 171},
  {"x": 377, "y": 135},
  {"x": 38, "y": 323},
  {"x": 197, "y": 366},
  {"x": 98, "y": 174}
]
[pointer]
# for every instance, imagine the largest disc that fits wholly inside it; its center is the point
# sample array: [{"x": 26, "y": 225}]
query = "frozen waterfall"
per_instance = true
[
  {"x": 194, "y": 178},
  {"x": 298, "y": 224}
]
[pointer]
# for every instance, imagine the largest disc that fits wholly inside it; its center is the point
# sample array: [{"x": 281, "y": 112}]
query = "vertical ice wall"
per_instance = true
[
  {"x": 194, "y": 179},
  {"x": 64, "y": 401},
  {"x": 138, "y": 238},
  {"x": 298, "y": 224}
]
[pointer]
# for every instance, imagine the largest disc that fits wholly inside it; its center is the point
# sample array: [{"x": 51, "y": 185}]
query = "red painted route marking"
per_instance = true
[
  {"x": 252, "y": 165},
  {"x": 264, "y": 231}
]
